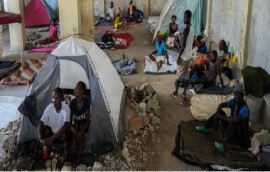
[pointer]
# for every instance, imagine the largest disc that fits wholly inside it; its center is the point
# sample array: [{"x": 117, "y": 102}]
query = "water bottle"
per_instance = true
[{"x": 45, "y": 153}]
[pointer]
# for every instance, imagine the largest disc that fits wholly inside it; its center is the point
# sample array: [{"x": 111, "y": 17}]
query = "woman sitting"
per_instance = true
[
  {"x": 53, "y": 34},
  {"x": 174, "y": 32},
  {"x": 80, "y": 115},
  {"x": 118, "y": 23}
]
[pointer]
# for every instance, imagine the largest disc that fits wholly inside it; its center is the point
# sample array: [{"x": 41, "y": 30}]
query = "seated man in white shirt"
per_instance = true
[{"x": 54, "y": 123}]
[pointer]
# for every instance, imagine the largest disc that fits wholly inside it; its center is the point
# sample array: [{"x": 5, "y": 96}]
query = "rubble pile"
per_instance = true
[
  {"x": 8, "y": 160},
  {"x": 139, "y": 132},
  {"x": 138, "y": 141}
]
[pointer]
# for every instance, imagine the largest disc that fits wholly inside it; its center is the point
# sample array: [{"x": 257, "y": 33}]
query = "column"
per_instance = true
[
  {"x": 208, "y": 18},
  {"x": 1, "y": 39},
  {"x": 69, "y": 17},
  {"x": 101, "y": 8},
  {"x": 245, "y": 33},
  {"x": 87, "y": 19},
  {"x": 146, "y": 8},
  {"x": 17, "y": 30}
]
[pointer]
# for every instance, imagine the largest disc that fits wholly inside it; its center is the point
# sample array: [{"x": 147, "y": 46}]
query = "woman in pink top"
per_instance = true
[{"x": 53, "y": 34}]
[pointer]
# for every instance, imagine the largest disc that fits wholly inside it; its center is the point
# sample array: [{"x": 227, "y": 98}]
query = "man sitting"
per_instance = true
[
  {"x": 160, "y": 55},
  {"x": 108, "y": 41},
  {"x": 236, "y": 125},
  {"x": 200, "y": 44},
  {"x": 207, "y": 78},
  {"x": 222, "y": 54},
  {"x": 54, "y": 124}
]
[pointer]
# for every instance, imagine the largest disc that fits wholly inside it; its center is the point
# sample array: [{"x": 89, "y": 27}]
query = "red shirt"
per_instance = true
[{"x": 53, "y": 33}]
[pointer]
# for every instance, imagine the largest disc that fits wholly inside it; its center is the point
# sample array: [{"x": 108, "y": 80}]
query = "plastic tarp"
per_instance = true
[
  {"x": 178, "y": 7},
  {"x": 8, "y": 109},
  {"x": 7, "y": 18},
  {"x": 107, "y": 93},
  {"x": 38, "y": 13}
]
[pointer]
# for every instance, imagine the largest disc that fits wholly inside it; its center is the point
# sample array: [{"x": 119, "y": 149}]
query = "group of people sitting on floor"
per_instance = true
[
  {"x": 133, "y": 15},
  {"x": 65, "y": 123}
]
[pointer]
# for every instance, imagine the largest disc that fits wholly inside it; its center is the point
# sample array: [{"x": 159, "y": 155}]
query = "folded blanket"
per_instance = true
[
  {"x": 25, "y": 74},
  {"x": 151, "y": 66}
]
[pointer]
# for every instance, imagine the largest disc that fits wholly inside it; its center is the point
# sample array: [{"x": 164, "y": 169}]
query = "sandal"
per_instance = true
[
  {"x": 174, "y": 96},
  {"x": 185, "y": 103}
]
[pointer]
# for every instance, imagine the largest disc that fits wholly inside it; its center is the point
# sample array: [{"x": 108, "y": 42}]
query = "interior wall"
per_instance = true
[
  {"x": 258, "y": 49},
  {"x": 226, "y": 21},
  {"x": 156, "y": 6},
  {"x": 123, "y": 4}
]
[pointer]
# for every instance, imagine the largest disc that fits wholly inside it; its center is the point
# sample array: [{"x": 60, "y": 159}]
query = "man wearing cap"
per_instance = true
[{"x": 236, "y": 125}]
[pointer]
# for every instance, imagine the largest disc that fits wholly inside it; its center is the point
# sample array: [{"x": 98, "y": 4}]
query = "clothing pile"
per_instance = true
[
  {"x": 260, "y": 147},
  {"x": 125, "y": 66},
  {"x": 33, "y": 37},
  {"x": 25, "y": 74}
]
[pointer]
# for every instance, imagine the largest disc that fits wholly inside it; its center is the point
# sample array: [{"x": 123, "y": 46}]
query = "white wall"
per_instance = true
[
  {"x": 259, "y": 51},
  {"x": 156, "y": 6},
  {"x": 226, "y": 21},
  {"x": 123, "y": 4}
]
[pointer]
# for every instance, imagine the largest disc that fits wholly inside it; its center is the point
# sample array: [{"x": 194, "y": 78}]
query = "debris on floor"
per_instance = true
[{"x": 140, "y": 131}]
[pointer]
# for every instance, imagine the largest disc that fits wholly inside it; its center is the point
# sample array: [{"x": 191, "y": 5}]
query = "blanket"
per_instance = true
[
  {"x": 42, "y": 50},
  {"x": 103, "y": 24},
  {"x": 125, "y": 66},
  {"x": 151, "y": 66},
  {"x": 124, "y": 40},
  {"x": 213, "y": 89},
  {"x": 7, "y": 71},
  {"x": 6, "y": 64},
  {"x": 25, "y": 74},
  {"x": 198, "y": 149},
  {"x": 204, "y": 106},
  {"x": 256, "y": 81}
]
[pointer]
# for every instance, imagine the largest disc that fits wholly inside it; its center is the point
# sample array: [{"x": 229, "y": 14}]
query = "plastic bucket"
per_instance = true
[{"x": 142, "y": 109}]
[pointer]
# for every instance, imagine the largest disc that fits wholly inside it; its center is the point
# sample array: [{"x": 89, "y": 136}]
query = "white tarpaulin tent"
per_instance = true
[{"x": 72, "y": 61}]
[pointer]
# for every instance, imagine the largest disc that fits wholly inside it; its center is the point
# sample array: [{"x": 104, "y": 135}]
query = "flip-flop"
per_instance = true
[
  {"x": 186, "y": 99},
  {"x": 174, "y": 96},
  {"x": 185, "y": 104}
]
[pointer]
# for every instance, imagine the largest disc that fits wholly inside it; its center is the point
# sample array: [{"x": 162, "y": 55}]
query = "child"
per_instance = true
[
  {"x": 200, "y": 44},
  {"x": 161, "y": 55}
]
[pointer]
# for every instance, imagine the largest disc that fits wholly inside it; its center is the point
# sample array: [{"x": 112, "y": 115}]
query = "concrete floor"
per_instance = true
[{"x": 163, "y": 84}]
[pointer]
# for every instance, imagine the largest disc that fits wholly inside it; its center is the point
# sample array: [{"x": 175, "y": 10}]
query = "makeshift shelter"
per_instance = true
[
  {"x": 38, "y": 13},
  {"x": 178, "y": 7},
  {"x": 72, "y": 61}
]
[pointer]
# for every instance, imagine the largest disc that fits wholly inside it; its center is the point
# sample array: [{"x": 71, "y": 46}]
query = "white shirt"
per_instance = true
[
  {"x": 111, "y": 12},
  {"x": 56, "y": 120},
  {"x": 187, "y": 54}
]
